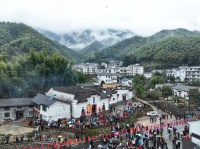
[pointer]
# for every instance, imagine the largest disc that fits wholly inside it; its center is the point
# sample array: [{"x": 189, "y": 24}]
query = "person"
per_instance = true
[
  {"x": 7, "y": 137},
  {"x": 22, "y": 137},
  {"x": 17, "y": 139},
  {"x": 42, "y": 125},
  {"x": 91, "y": 143}
]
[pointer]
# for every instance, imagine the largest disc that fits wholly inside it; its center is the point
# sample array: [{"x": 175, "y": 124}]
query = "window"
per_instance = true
[
  {"x": 6, "y": 108},
  {"x": 30, "y": 113},
  {"x": 93, "y": 99},
  {"x": 44, "y": 108},
  {"x": 6, "y": 115}
]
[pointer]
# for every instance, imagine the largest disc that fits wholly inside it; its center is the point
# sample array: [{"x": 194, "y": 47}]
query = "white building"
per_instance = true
[
  {"x": 185, "y": 73},
  {"x": 92, "y": 99},
  {"x": 136, "y": 69},
  {"x": 119, "y": 94},
  {"x": 126, "y": 82},
  {"x": 182, "y": 90},
  {"x": 50, "y": 108},
  {"x": 87, "y": 68},
  {"x": 15, "y": 108},
  {"x": 194, "y": 132},
  {"x": 125, "y": 71},
  {"x": 112, "y": 67},
  {"x": 177, "y": 73},
  {"x": 108, "y": 78},
  {"x": 148, "y": 75},
  {"x": 67, "y": 102},
  {"x": 192, "y": 73}
]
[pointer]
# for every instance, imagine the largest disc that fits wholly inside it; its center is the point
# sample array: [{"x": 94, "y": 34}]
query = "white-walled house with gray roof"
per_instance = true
[
  {"x": 178, "y": 89},
  {"x": 108, "y": 78},
  {"x": 91, "y": 99},
  {"x": 16, "y": 108},
  {"x": 50, "y": 108},
  {"x": 182, "y": 90}
]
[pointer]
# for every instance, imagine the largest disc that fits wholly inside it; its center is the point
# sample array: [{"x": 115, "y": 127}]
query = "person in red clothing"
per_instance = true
[
  {"x": 54, "y": 145},
  {"x": 59, "y": 145}
]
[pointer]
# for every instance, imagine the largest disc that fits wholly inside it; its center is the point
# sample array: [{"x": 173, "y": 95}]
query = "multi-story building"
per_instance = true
[
  {"x": 136, "y": 69},
  {"x": 192, "y": 73},
  {"x": 113, "y": 67},
  {"x": 185, "y": 73},
  {"x": 108, "y": 78}
]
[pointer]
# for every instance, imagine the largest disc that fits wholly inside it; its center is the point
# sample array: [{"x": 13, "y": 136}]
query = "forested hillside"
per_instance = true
[
  {"x": 135, "y": 49},
  {"x": 19, "y": 38},
  {"x": 171, "y": 52},
  {"x": 92, "y": 48},
  {"x": 27, "y": 74}
]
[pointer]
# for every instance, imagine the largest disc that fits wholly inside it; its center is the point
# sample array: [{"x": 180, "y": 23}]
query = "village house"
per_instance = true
[
  {"x": 89, "y": 98},
  {"x": 68, "y": 102},
  {"x": 50, "y": 108},
  {"x": 126, "y": 82},
  {"x": 178, "y": 89},
  {"x": 108, "y": 78},
  {"x": 15, "y": 108},
  {"x": 182, "y": 90}
]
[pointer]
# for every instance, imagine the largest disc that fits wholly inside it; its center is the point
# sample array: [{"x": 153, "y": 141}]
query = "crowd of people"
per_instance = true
[
  {"x": 134, "y": 136},
  {"x": 121, "y": 135}
]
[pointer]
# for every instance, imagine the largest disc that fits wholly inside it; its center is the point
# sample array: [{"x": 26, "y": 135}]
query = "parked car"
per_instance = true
[{"x": 152, "y": 113}]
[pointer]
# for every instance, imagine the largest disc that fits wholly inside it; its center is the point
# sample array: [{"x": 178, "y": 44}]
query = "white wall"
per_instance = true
[
  {"x": 107, "y": 79},
  {"x": 182, "y": 94},
  {"x": 56, "y": 111},
  {"x": 194, "y": 128},
  {"x": 77, "y": 107}
]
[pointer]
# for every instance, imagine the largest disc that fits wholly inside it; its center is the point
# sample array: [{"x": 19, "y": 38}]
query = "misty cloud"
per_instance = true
[{"x": 144, "y": 17}]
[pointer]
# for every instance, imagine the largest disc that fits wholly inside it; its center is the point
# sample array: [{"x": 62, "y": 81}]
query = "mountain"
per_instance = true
[
  {"x": 78, "y": 40},
  {"x": 130, "y": 50},
  {"x": 92, "y": 48},
  {"x": 19, "y": 38}
]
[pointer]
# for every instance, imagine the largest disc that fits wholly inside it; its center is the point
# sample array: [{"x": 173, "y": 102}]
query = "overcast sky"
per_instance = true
[{"x": 144, "y": 17}]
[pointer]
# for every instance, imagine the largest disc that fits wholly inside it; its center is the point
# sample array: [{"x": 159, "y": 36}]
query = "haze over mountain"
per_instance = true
[
  {"x": 178, "y": 43},
  {"x": 78, "y": 40}
]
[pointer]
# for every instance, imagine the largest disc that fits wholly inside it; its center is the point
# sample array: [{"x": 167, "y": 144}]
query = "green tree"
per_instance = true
[
  {"x": 166, "y": 91},
  {"x": 156, "y": 80},
  {"x": 140, "y": 90},
  {"x": 139, "y": 80},
  {"x": 194, "y": 94},
  {"x": 155, "y": 94}
]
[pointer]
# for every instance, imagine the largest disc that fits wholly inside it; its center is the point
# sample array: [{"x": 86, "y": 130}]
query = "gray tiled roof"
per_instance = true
[
  {"x": 13, "y": 102},
  {"x": 108, "y": 74},
  {"x": 184, "y": 87},
  {"x": 166, "y": 84},
  {"x": 81, "y": 93},
  {"x": 41, "y": 99}
]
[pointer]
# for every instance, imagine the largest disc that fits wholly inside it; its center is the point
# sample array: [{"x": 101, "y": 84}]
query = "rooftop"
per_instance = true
[
  {"x": 81, "y": 93},
  {"x": 13, "y": 102},
  {"x": 41, "y": 99},
  {"x": 183, "y": 87}
]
